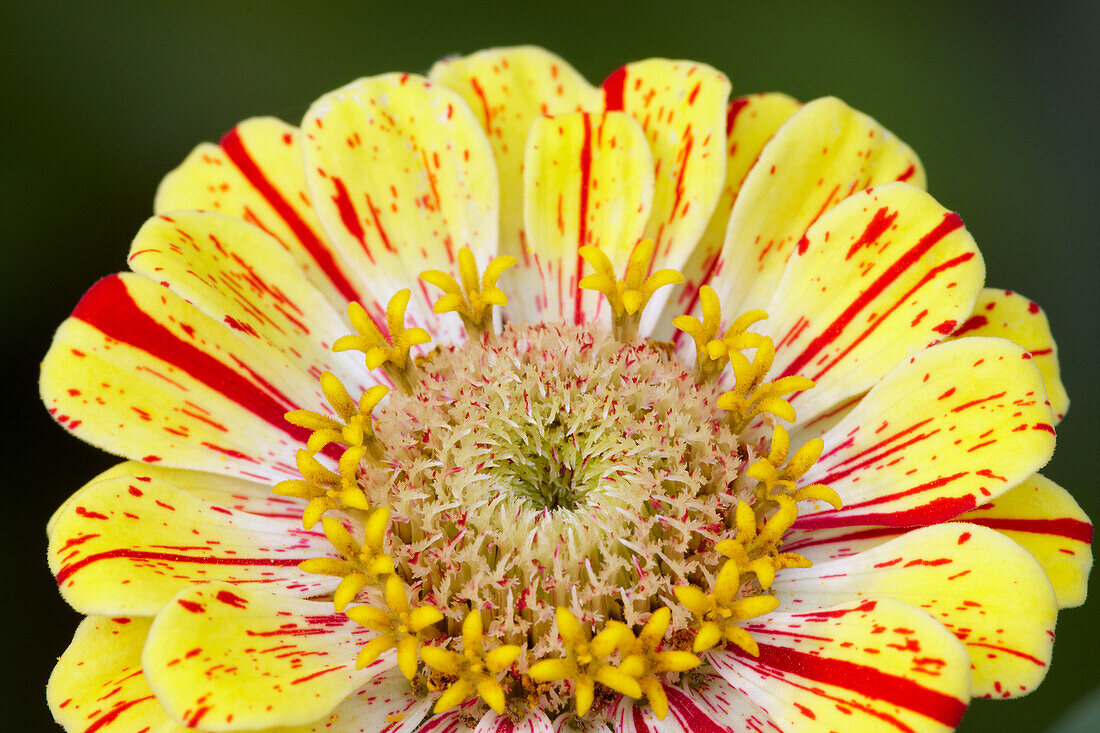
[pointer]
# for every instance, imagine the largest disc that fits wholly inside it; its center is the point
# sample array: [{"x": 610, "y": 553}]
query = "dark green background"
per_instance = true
[{"x": 100, "y": 100}]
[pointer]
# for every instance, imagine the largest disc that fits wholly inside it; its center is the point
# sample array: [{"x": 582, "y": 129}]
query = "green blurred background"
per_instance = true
[{"x": 100, "y": 100}]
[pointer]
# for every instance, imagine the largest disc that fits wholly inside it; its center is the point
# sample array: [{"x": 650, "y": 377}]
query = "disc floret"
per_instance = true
[
  {"x": 474, "y": 670},
  {"x": 472, "y": 300},
  {"x": 587, "y": 661},
  {"x": 391, "y": 352},
  {"x": 628, "y": 296},
  {"x": 361, "y": 565},
  {"x": 399, "y": 627}
]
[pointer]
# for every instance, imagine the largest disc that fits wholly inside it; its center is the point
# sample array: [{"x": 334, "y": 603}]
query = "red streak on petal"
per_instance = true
[
  {"x": 613, "y": 87},
  {"x": 864, "y": 680},
  {"x": 114, "y": 713},
  {"x": 1073, "y": 529},
  {"x": 67, "y": 571},
  {"x": 239, "y": 156},
  {"x": 109, "y": 308},
  {"x": 950, "y": 223},
  {"x": 882, "y": 220}
]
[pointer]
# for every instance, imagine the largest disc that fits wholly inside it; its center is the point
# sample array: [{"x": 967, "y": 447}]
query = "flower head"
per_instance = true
[{"x": 497, "y": 401}]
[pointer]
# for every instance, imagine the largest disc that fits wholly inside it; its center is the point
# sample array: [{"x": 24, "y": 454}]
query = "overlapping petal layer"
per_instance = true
[
  {"x": 588, "y": 181},
  {"x": 508, "y": 89},
  {"x": 883, "y": 274},
  {"x": 98, "y": 684},
  {"x": 750, "y": 123},
  {"x": 868, "y": 666},
  {"x": 222, "y": 658},
  {"x": 127, "y": 545},
  {"x": 256, "y": 173},
  {"x": 945, "y": 570},
  {"x": 402, "y": 177},
  {"x": 237, "y": 275},
  {"x": 950, "y": 429},
  {"x": 1046, "y": 521},
  {"x": 141, "y": 373},
  {"x": 1009, "y": 315},
  {"x": 824, "y": 153}
]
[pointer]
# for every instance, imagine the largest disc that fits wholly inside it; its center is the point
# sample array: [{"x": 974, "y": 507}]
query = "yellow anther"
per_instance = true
[
  {"x": 627, "y": 297},
  {"x": 775, "y": 477},
  {"x": 477, "y": 671},
  {"x": 644, "y": 661},
  {"x": 401, "y": 627},
  {"x": 392, "y": 353},
  {"x": 473, "y": 301},
  {"x": 324, "y": 489},
  {"x": 752, "y": 396},
  {"x": 354, "y": 427},
  {"x": 362, "y": 565},
  {"x": 711, "y": 352},
  {"x": 586, "y": 661},
  {"x": 720, "y": 612}
]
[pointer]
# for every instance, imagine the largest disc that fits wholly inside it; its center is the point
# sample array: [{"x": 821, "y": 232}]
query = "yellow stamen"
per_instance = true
[
  {"x": 775, "y": 477},
  {"x": 751, "y": 396},
  {"x": 355, "y": 426},
  {"x": 711, "y": 352},
  {"x": 362, "y": 565},
  {"x": 324, "y": 489},
  {"x": 586, "y": 661},
  {"x": 472, "y": 301},
  {"x": 720, "y": 612},
  {"x": 643, "y": 660},
  {"x": 628, "y": 297},
  {"x": 401, "y": 627},
  {"x": 476, "y": 670},
  {"x": 392, "y": 353}
]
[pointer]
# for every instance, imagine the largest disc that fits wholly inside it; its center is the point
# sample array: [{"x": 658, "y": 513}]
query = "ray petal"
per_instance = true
[
  {"x": 588, "y": 182},
  {"x": 402, "y": 177},
  {"x": 950, "y": 429},
  {"x": 1003, "y": 610},
  {"x": 876, "y": 665},
  {"x": 126, "y": 546},
  {"x": 223, "y": 658}
]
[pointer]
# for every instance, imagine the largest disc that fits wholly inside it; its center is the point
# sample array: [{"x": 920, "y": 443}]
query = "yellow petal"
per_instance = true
[
  {"x": 1044, "y": 518},
  {"x": 241, "y": 276},
  {"x": 824, "y": 153},
  {"x": 1005, "y": 616},
  {"x": 682, "y": 108},
  {"x": 508, "y": 89},
  {"x": 138, "y": 371},
  {"x": 206, "y": 665},
  {"x": 97, "y": 683},
  {"x": 751, "y": 122},
  {"x": 402, "y": 177},
  {"x": 588, "y": 181},
  {"x": 876, "y": 666},
  {"x": 256, "y": 173},
  {"x": 127, "y": 546},
  {"x": 1009, "y": 315},
  {"x": 955, "y": 426},
  {"x": 880, "y": 276}
]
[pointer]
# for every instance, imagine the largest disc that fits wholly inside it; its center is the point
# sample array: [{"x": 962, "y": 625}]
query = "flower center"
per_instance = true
[
  {"x": 555, "y": 466},
  {"x": 555, "y": 481}
]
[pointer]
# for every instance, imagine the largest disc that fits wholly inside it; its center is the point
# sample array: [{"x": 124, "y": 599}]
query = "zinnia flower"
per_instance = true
[{"x": 626, "y": 408}]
